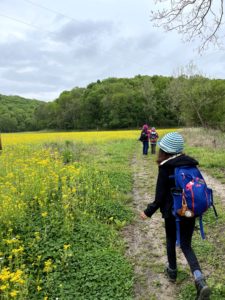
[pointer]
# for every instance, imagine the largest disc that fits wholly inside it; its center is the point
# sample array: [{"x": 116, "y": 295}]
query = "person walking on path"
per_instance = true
[
  {"x": 144, "y": 138},
  {"x": 170, "y": 156},
  {"x": 153, "y": 139}
]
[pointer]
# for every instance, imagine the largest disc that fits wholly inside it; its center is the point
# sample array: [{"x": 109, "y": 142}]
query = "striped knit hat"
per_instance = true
[{"x": 172, "y": 143}]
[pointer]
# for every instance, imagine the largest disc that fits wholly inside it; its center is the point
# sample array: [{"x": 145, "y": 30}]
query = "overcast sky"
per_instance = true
[{"x": 49, "y": 46}]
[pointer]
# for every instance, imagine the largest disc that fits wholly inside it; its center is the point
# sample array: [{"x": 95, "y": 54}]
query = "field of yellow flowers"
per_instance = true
[
  {"x": 63, "y": 199},
  {"x": 60, "y": 206}
]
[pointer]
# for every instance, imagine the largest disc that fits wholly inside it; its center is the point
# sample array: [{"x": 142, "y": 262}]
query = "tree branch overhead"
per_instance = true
[{"x": 197, "y": 19}]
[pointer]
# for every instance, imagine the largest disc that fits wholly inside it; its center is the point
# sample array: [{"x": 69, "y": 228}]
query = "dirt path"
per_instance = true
[
  {"x": 218, "y": 188},
  {"x": 146, "y": 239}
]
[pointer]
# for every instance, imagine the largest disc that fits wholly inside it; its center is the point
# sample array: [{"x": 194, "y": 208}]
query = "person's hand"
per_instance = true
[{"x": 143, "y": 216}]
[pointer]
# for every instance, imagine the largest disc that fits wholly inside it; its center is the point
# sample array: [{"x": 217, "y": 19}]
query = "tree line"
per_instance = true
[{"x": 119, "y": 103}]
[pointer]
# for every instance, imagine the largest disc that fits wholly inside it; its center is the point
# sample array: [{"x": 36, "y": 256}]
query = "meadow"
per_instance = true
[{"x": 64, "y": 199}]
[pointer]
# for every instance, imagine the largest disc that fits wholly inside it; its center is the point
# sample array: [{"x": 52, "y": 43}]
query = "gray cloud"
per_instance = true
[
  {"x": 83, "y": 30},
  {"x": 44, "y": 64},
  {"x": 32, "y": 76}
]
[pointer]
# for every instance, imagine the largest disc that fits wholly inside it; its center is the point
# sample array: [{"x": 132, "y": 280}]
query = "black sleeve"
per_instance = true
[{"x": 160, "y": 194}]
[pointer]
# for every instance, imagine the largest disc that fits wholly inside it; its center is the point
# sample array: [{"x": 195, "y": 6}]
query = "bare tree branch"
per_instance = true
[{"x": 201, "y": 19}]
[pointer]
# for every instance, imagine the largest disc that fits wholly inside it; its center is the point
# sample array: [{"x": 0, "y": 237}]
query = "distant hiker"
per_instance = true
[
  {"x": 171, "y": 156},
  {"x": 144, "y": 138},
  {"x": 153, "y": 139}
]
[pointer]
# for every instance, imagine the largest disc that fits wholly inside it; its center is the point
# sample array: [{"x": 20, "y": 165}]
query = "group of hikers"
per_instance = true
[
  {"x": 170, "y": 157},
  {"x": 148, "y": 136}
]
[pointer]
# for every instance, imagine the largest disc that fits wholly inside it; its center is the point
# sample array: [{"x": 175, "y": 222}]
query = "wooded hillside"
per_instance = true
[
  {"x": 117, "y": 103},
  {"x": 17, "y": 114},
  {"x": 129, "y": 103}
]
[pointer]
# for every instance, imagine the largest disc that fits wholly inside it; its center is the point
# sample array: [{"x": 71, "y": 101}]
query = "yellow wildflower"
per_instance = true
[
  {"x": 66, "y": 246},
  {"x": 4, "y": 287},
  {"x": 43, "y": 162},
  {"x": 5, "y": 274},
  {"x": 16, "y": 277},
  {"x": 39, "y": 257},
  {"x": 12, "y": 241},
  {"x": 18, "y": 250},
  {"x": 48, "y": 266},
  {"x": 10, "y": 175},
  {"x": 37, "y": 235},
  {"x": 39, "y": 288},
  {"x": 44, "y": 214},
  {"x": 14, "y": 293}
]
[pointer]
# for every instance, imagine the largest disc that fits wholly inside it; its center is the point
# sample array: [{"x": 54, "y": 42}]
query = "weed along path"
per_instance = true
[{"x": 146, "y": 239}]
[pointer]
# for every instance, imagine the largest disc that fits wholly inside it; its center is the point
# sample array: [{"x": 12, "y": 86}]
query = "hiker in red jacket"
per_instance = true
[
  {"x": 144, "y": 138},
  {"x": 170, "y": 156}
]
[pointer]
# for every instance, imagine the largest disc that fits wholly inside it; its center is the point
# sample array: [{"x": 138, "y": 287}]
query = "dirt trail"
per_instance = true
[
  {"x": 146, "y": 239},
  {"x": 218, "y": 187}
]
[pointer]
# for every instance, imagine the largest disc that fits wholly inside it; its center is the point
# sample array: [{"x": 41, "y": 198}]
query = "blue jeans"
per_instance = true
[
  {"x": 145, "y": 147},
  {"x": 186, "y": 231}
]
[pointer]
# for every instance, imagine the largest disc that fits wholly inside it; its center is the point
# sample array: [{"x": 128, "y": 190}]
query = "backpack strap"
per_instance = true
[
  {"x": 213, "y": 206},
  {"x": 215, "y": 212},
  {"x": 201, "y": 227},
  {"x": 177, "y": 218}
]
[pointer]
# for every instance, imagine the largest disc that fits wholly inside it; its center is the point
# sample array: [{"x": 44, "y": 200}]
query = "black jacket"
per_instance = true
[{"x": 163, "y": 196}]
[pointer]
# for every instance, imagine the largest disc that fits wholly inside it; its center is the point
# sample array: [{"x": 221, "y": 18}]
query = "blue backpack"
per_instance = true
[{"x": 191, "y": 196}]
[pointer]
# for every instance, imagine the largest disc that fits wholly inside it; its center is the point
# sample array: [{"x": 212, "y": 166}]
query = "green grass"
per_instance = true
[{"x": 84, "y": 246}]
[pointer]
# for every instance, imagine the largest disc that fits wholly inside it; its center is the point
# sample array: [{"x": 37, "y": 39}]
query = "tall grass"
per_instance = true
[
  {"x": 208, "y": 147},
  {"x": 202, "y": 137}
]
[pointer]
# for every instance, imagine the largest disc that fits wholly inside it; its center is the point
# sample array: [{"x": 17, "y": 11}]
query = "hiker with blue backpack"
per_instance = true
[{"x": 182, "y": 195}]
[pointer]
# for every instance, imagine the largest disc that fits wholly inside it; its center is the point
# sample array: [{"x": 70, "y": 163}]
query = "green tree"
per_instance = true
[
  {"x": 190, "y": 97},
  {"x": 8, "y": 123}
]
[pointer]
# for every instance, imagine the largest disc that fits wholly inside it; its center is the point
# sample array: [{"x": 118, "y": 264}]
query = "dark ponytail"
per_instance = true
[{"x": 162, "y": 155}]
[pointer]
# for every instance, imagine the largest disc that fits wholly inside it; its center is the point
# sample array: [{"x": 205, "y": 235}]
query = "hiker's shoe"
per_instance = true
[
  {"x": 203, "y": 291},
  {"x": 171, "y": 274}
]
